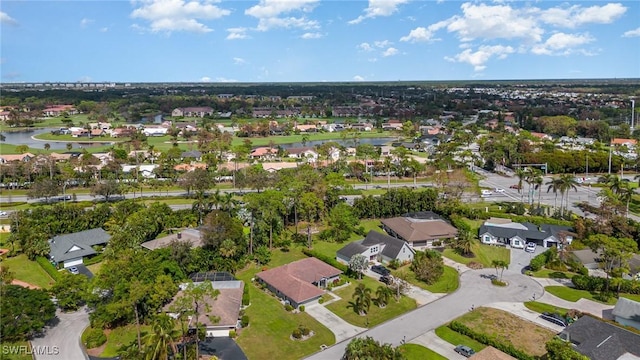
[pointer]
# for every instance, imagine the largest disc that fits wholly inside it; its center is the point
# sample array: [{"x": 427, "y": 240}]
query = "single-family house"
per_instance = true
[
  {"x": 57, "y": 110},
  {"x": 155, "y": 131},
  {"x": 272, "y": 167},
  {"x": 71, "y": 249},
  {"x": 629, "y": 143},
  {"x": 191, "y": 155},
  {"x": 420, "y": 229},
  {"x": 299, "y": 282},
  {"x": 306, "y": 128},
  {"x": 306, "y": 153},
  {"x": 377, "y": 247},
  {"x": 263, "y": 153},
  {"x": 627, "y": 312},
  {"x": 600, "y": 340},
  {"x": 7, "y": 158},
  {"x": 362, "y": 127},
  {"x": 201, "y": 111},
  {"x": 541, "y": 136},
  {"x": 190, "y": 167},
  {"x": 497, "y": 231},
  {"x": 221, "y": 314},
  {"x": 191, "y": 236}
]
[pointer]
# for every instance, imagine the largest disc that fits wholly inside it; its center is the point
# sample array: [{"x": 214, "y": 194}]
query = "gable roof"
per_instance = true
[
  {"x": 191, "y": 236},
  {"x": 295, "y": 279},
  {"x": 411, "y": 229},
  {"x": 352, "y": 248},
  {"x": 600, "y": 340},
  {"x": 627, "y": 309},
  {"x": 71, "y": 246},
  {"x": 392, "y": 246},
  {"x": 525, "y": 231}
]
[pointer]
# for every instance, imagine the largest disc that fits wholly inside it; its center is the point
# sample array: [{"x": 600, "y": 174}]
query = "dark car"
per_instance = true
[
  {"x": 516, "y": 186},
  {"x": 379, "y": 269},
  {"x": 464, "y": 350},
  {"x": 554, "y": 318},
  {"x": 386, "y": 279}
]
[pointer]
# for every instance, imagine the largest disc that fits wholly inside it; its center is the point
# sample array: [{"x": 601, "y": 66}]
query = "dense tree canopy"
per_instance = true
[{"x": 24, "y": 312}]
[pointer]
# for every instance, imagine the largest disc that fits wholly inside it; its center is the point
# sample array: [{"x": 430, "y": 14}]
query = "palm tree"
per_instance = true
[
  {"x": 160, "y": 340},
  {"x": 567, "y": 182},
  {"x": 616, "y": 184},
  {"x": 499, "y": 265},
  {"x": 538, "y": 181},
  {"x": 227, "y": 248},
  {"x": 387, "y": 164},
  {"x": 383, "y": 294},
  {"x": 465, "y": 242},
  {"x": 554, "y": 184},
  {"x": 625, "y": 193},
  {"x": 521, "y": 174},
  {"x": 362, "y": 299}
]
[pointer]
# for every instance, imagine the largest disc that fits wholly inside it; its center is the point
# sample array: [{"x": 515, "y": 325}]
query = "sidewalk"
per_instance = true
[
  {"x": 421, "y": 296},
  {"x": 340, "y": 328},
  {"x": 432, "y": 341},
  {"x": 461, "y": 268},
  {"x": 584, "y": 305}
]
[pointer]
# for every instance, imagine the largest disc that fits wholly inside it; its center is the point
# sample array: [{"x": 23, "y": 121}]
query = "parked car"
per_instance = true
[
  {"x": 387, "y": 279},
  {"x": 500, "y": 191},
  {"x": 531, "y": 247},
  {"x": 3, "y": 213},
  {"x": 486, "y": 192},
  {"x": 554, "y": 318},
  {"x": 74, "y": 270},
  {"x": 464, "y": 350},
  {"x": 379, "y": 269}
]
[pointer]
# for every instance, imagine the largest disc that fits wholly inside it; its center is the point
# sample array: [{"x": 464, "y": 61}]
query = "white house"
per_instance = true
[
  {"x": 377, "y": 247},
  {"x": 497, "y": 231},
  {"x": 627, "y": 312},
  {"x": 306, "y": 153},
  {"x": 155, "y": 131},
  {"x": 70, "y": 249}
]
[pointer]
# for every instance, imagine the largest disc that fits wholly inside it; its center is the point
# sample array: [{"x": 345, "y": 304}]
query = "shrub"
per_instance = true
[
  {"x": 288, "y": 307},
  {"x": 394, "y": 264},
  {"x": 437, "y": 243},
  {"x": 589, "y": 283},
  {"x": 245, "y": 296},
  {"x": 320, "y": 301},
  {"x": 232, "y": 334},
  {"x": 583, "y": 271},
  {"x": 244, "y": 320},
  {"x": 538, "y": 262},
  {"x": 94, "y": 337},
  {"x": 475, "y": 265},
  {"x": 46, "y": 265},
  {"x": 301, "y": 308},
  {"x": 497, "y": 282},
  {"x": 297, "y": 334},
  {"x": 304, "y": 330}
]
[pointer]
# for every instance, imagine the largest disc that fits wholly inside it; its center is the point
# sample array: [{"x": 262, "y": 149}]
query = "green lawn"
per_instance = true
[
  {"x": 375, "y": 315},
  {"x": 455, "y": 338},
  {"x": 447, "y": 283},
  {"x": 574, "y": 295},
  {"x": 268, "y": 335},
  {"x": 634, "y": 297},
  {"x": 28, "y": 271},
  {"x": 19, "y": 350},
  {"x": 483, "y": 254},
  {"x": 540, "y": 307},
  {"x": 419, "y": 352},
  {"x": 121, "y": 336},
  {"x": 329, "y": 248}
]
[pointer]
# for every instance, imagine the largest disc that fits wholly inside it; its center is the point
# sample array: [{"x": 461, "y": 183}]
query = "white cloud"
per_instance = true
[
  {"x": 390, "y": 52},
  {"x": 205, "y": 79},
  {"x": 418, "y": 34},
  {"x": 7, "y": 20},
  {"x": 365, "y": 47},
  {"x": 85, "y": 22},
  {"x": 577, "y": 15},
  {"x": 311, "y": 35},
  {"x": 222, "y": 79},
  {"x": 238, "y": 33},
  {"x": 239, "y": 61},
  {"x": 561, "y": 44},
  {"x": 178, "y": 15},
  {"x": 632, "y": 33},
  {"x": 379, "y": 8},
  {"x": 382, "y": 44},
  {"x": 269, "y": 14},
  {"x": 479, "y": 58},
  {"x": 358, "y": 78}
]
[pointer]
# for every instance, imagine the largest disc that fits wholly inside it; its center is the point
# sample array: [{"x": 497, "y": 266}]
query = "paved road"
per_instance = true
[
  {"x": 474, "y": 291},
  {"x": 63, "y": 336}
]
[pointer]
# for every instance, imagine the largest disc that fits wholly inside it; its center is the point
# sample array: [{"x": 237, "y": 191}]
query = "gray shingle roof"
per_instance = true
[
  {"x": 627, "y": 309},
  {"x": 391, "y": 249},
  {"x": 533, "y": 232},
  {"x": 600, "y": 340},
  {"x": 351, "y": 249},
  {"x": 71, "y": 246}
]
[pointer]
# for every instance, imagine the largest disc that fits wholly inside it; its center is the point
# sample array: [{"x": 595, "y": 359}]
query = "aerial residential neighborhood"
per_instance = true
[{"x": 319, "y": 180}]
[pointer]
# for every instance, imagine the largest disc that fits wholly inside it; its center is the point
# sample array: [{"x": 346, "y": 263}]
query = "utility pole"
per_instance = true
[{"x": 586, "y": 175}]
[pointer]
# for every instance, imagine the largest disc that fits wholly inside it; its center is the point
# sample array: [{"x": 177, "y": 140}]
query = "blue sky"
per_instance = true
[{"x": 315, "y": 40}]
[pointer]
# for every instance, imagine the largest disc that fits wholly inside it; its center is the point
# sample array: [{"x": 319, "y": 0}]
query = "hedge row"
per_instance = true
[
  {"x": 331, "y": 261},
  {"x": 94, "y": 259},
  {"x": 593, "y": 283},
  {"x": 491, "y": 341},
  {"x": 50, "y": 269}
]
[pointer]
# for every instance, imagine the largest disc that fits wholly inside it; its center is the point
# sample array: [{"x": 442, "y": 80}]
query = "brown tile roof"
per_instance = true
[
  {"x": 295, "y": 279},
  {"x": 618, "y": 141},
  {"x": 491, "y": 353},
  {"x": 416, "y": 230}
]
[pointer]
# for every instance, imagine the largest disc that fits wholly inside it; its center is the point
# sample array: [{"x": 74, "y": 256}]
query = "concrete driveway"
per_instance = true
[
  {"x": 521, "y": 259},
  {"x": 433, "y": 342},
  {"x": 62, "y": 340},
  {"x": 340, "y": 328}
]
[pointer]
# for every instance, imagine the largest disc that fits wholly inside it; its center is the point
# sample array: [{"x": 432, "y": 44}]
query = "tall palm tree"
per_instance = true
[
  {"x": 362, "y": 299},
  {"x": 625, "y": 193},
  {"x": 161, "y": 339},
  {"x": 554, "y": 184},
  {"x": 616, "y": 184},
  {"x": 383, "y": 294},
  {"x": 521, "y": 174},
  {"x": 538, "y": 180},
  {"x": 567, "y": 182}
]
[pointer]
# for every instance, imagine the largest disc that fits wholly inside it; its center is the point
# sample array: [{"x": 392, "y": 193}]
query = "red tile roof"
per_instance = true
[{"x": 295, "y": 279}]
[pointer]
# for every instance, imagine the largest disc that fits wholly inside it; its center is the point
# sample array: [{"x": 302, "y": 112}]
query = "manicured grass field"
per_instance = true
[
  {"x": 447, "y": 283},
  {"x": 268, "y": 335},
  {"x": 540, "y": 307},
  {"x": 419, "y": 352},
  {"x": 483, "y": 254},
  {"x": 375, "y": 315},
  {"x": 634, "y": 297},
  {"x": 28, "y": 271},
  {"x": 553, "y": 274},
  {"x": 455, "y": 338},
  {"x": 574, "y": 295}
]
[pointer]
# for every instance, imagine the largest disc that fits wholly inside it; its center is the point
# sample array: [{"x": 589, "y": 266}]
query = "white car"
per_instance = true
[
  {"x": 500, "y": 191},
  {"x": 486, "y": 192},
  {"x": 531, "y": 247},
  {"x": 74, "y": 270},
  {"x": 3, "y": 213}
]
